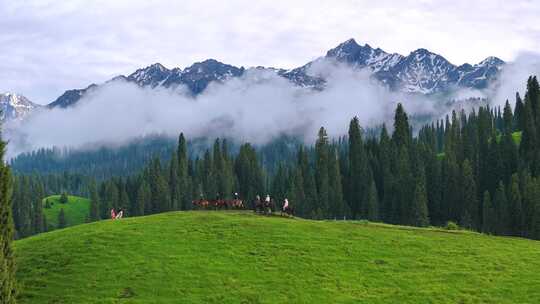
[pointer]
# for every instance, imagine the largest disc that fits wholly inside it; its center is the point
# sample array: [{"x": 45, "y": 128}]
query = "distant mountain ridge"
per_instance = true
[{"x": 420, "y": 72}]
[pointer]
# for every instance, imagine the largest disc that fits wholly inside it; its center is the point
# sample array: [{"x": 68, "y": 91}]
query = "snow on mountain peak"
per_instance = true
[
  {"x": 15, "y": 106},
  {"x": 491, "y": 60}
]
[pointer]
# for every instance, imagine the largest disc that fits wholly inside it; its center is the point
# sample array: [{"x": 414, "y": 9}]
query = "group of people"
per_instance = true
[
  {"x": 117, "y": 215},
  {"x": 268, "y": 200}
]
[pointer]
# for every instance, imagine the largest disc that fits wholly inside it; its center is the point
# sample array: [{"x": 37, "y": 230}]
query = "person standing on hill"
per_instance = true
[
  {"x": 285, "y": 204},
  {"x": 113, "y": 214}
]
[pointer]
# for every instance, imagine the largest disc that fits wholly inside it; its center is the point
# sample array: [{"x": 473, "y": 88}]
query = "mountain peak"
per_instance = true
[
  {"x": 350, "y": 42},
  {"x": 151, "y": 75},
  {"x": 15, "y": 106},
  {"x": 157, "y": 66},
  {"x": 491, "y": 60}
]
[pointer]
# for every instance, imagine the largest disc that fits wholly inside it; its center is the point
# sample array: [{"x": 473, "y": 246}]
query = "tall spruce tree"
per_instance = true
[
  {"x": 62, "y": 219},
  {"x": 8, "y": 290},
  {"x": 516, "y": 207},
  {"x": 358, "y": 169},
  {"x": 402, "y": 130},
  {"x": 174, "y": 183},
  {"x": 372, "y": 203},
  {"x": 143, "y": 198},
  {"x": 500, "y": 204},
  {"x": 420, "y": 215},
  {"x": 337, "y": 203},
  {"x": 94, "y": 203},
  {"x": 488, "y": 214},
  {"x": 470, "y": 213},
  {"x": 321, "y": 171}
]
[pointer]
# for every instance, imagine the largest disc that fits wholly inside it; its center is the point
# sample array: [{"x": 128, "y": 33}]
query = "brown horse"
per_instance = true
[
  {"x": 220, "y": 204},
  {"x": 258, "y": 206},
  {"x": 268, "y": 207},
  {"x": 236, "y": 204},
  {"x": 201, "y": 203}
]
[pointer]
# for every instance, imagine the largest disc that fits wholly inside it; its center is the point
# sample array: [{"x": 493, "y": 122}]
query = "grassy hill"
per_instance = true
[
  {"x": 238, "y": 257},
  {"x": 76, "y": 210}
]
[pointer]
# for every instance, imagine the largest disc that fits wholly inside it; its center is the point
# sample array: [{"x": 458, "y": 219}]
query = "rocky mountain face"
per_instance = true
[
  {"x": 420, "y": 72},
  {"x": 15, "y": 107}
]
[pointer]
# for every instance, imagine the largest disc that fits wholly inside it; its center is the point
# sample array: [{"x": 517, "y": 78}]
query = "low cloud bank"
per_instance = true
[{"x": 256, "y": 107}]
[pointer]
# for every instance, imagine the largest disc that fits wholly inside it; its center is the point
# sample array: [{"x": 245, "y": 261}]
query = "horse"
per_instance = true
[
  {"x": 236, "y": 204},
  {"x": 220, "y": 204},
  {"x": 289, "y": 211},
  {"x": 201, "y": 203},
  {"x": 268, "y": 207},
  {"x": 258, "y": 206}
]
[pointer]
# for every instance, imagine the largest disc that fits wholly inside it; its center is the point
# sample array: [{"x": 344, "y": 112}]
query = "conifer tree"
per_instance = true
[
  {"x": 529, "y": 134},
  {"x": 357, "y": 170},
  {"x": 405, "y": 187},
  {"x": 295, "y": 193},
  {"x": 310, "y": 187},
  {"x": 470, "y": 213},
  {"x": 226, "y": 178},
  {"x": 532, "y": 96},
  {"x": 372, "y": 203},
  {"x": 38, "y": 216},
  {"x": 518, "y": 113},
  {"x": 336, "y": 187},
  {"x": 61, "y": 219},
  {"x": 516, "y": 207},
  {"x": 321, "y": 170},
  {"x": 183, "y": 176},
  {"x": 7, "y": 260},
  {"x": 402, "y": 131},
  {"x": 387, "y": 178},
  {"x": 208, "y": 176},
  {"x": 174, "y": 183},
  {"x": 535, "y": 221},
  {"x": 488, "y": 219},
  {"x": 143, "y": 198},
  {"x": 63, "y": 198},
  {"x": 420, "y": 215},
  {"x": 500, "y": 204},
  {"x": 94, "y": 203}
]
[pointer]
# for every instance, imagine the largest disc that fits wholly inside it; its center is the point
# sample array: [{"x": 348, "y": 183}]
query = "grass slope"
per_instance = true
[
  {"x": 76, "y": 210},
  {"x": 238, "y": 257}
]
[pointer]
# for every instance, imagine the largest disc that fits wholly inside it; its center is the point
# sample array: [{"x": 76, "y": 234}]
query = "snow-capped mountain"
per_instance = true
[
  {"x": 15, "y": 107},
  {"x": 196, "y": 77},
  {"x": 420, "y": 72}
]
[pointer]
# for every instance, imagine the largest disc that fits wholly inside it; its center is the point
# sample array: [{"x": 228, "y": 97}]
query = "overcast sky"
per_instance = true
[{"x": 47, "y": 47}]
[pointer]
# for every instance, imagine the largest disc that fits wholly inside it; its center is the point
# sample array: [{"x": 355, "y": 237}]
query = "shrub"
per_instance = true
[{"x": 451, "y": 226}]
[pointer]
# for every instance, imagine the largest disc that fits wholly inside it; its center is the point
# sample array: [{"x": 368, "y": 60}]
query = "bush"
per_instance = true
[{"x": 451, "y": 226}]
